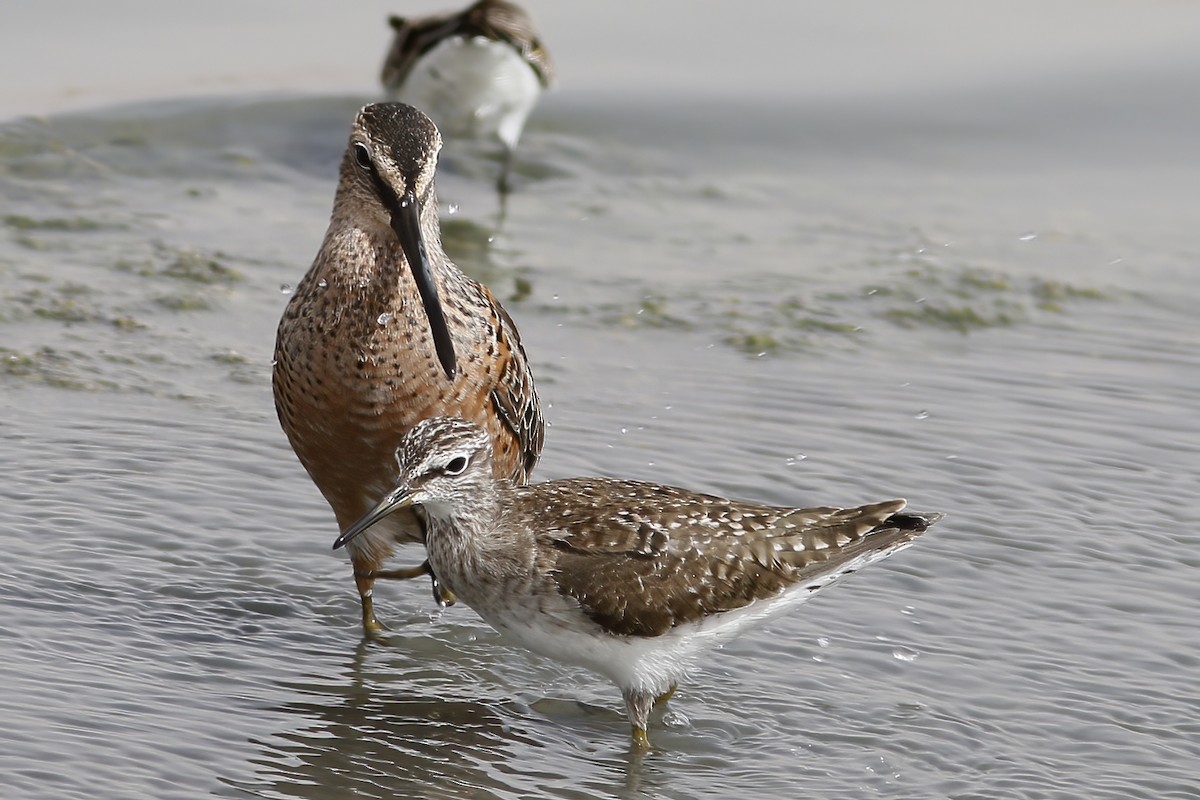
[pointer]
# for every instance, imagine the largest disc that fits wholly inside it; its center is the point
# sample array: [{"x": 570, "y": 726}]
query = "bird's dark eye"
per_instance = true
[
  {"x": 456, "y": 466},
  {"x": 362, "y": 155}
]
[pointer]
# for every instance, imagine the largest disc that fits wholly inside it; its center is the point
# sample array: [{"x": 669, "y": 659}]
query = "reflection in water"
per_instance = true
[
  {"x": 370, "y": 731},
  {"x": 475, "y": 249}
]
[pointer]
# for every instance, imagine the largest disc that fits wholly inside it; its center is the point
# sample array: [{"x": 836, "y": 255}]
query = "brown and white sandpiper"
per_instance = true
[
  {"x": 631, "y": 580},
  {"x": 385, "y": 331}
]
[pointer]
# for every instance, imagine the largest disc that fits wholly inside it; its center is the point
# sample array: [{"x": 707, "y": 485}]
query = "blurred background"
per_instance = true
[{"x": 71, "y": 55}]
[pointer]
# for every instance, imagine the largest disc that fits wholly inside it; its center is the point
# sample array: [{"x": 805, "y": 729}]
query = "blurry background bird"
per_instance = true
[{"x": 477, "y": 73}]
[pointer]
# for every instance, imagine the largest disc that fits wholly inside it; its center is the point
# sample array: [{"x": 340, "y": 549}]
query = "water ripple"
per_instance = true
[{"x": 178, "y": 626}]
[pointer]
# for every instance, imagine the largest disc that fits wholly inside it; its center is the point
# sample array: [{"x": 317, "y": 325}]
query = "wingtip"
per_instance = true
[{"x": 916, "y": 520}]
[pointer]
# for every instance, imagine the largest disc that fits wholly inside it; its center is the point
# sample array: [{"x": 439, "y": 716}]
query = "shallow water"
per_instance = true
[{"x": 978, "y": 298}]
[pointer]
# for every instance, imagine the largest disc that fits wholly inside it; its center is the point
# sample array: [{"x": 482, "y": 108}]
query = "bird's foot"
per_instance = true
[
  {"x": 372, "y": 628},
  {"x": 441, "y": 595}
]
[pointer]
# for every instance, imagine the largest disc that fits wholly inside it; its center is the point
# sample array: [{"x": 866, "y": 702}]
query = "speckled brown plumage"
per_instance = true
[
  {"x": 643, "y": 558},
  {"x": 627, "y": 578},
  {"x": 356, "y": 365}
]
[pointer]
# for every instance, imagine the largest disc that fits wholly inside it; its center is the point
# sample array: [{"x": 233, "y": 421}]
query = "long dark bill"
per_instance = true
[
  {"x": 406, "y": 222},
  {"x": 392, "y": 501}
]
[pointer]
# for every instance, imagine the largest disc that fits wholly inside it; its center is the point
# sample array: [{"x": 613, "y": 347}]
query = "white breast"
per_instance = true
[{"x": 474, "y": 88}]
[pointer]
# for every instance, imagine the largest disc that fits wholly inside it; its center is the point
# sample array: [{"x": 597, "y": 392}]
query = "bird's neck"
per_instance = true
[
  {"x": 469, "y": 539},
  {"x": 361, "y": 251}
]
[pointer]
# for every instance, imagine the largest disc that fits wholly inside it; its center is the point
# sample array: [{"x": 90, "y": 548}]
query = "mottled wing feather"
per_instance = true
[
  {"x": 514, "y": 397},
  {"x": 412, "y": 39},
  {"x": 507, "y": 22},
  {"x": 671, "y": 557}
]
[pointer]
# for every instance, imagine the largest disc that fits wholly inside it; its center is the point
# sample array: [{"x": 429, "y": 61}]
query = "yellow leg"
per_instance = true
[
  {"x": 402, "y": 574},
  {"x": 665, "y": 696},
  {"x": 637, "y": 706},
  {"x": 441, "y": 595},
  {"x": 639, "y": 739},
  {"x": 365, "y": 583}
]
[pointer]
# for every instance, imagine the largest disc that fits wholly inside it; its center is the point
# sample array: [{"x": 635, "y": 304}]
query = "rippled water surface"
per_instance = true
[{"x": 981, "y": 299}]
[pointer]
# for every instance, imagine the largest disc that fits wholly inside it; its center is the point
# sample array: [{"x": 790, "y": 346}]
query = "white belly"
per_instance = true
[
  {"x": 473, "y": 88},
  {"x": 554, "y": 626}
]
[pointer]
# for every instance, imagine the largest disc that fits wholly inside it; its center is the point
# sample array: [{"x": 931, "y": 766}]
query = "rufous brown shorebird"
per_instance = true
[
  {"x": 631, "y": 580},
  {"x": 478, "y": 72},
  {"x": 385, "y": 331}
]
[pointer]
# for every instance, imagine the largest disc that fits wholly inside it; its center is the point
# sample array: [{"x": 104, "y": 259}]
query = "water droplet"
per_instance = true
[
  {"x": 384, "y": 318},
  {"x": 922, "y": 415},
  {"x": 1028, "y": 237},
  {"x": 908, "y": 611},
  {"x": 822, "y": 641},
  {"x": 452, "y": 209},
  {"x": 905, "y": 654},
  {"x": 649, "y": 463},
  {"x": 322, "y": 283},
  {"x": 796, "y": 459},
  {"x": 624, "y": 431},
  {"x": 285, "y": 288},
  {"x": 274, "y": 361}
]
